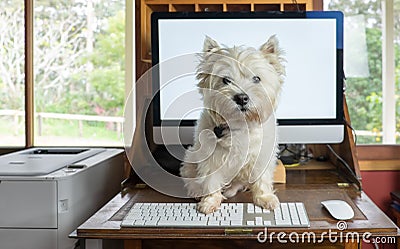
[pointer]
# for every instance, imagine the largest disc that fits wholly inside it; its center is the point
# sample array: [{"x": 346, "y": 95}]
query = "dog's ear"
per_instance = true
[
  {"x": 205, "y": 66},
  {"x": 271, "y": 46},
  {"x": 210, "y": 45},
  {"x": 274, "y": 54}
]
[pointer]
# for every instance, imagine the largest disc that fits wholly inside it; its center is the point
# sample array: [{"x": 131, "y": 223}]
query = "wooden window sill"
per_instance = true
[{"x": 379, "y": 165}]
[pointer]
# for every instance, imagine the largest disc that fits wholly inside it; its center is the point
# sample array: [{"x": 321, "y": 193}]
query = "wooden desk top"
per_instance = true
[{"x": 105, "y": 224}]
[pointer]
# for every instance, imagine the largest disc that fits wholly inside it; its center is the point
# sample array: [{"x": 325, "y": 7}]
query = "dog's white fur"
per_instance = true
[{"x": 245, "y": 156}]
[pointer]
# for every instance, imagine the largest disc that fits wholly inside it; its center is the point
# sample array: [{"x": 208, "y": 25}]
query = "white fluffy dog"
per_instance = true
[{"x": 235, "y": 144}]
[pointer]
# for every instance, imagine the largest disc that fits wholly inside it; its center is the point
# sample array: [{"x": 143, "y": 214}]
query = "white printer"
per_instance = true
[{"x": 46, "y": 193}]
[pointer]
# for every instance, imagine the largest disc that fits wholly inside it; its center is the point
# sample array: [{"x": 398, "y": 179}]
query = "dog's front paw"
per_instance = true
[
  {"x": 210, "y": 203},
  {"x": 267, "y": 201},
  {"x": 207, "y": 207}
]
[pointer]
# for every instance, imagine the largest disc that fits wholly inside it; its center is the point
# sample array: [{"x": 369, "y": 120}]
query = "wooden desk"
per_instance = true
[{"x": 308, "y": 186}]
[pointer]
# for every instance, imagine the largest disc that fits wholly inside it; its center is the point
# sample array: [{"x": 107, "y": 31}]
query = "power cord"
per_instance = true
[
  {"x": 341, "y": 160},
  {"x": 352, "y": 129}
]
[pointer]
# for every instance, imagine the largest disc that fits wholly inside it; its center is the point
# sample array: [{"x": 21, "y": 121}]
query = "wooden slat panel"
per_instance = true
[{"x": 146, "y": 7}]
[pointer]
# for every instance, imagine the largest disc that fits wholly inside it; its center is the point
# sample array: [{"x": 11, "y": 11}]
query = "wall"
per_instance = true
[{"x": 378, "y": 185}]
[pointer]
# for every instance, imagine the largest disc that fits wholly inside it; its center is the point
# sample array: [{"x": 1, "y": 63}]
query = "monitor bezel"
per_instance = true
[{"x": 337, "y": 15}]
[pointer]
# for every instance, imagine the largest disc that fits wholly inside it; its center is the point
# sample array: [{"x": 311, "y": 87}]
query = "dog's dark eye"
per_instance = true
[
  {"x": 226, "y": 80},
  {"x": 256, "y": 79}
]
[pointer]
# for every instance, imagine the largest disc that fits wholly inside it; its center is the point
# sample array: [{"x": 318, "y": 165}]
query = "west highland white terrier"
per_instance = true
[{"x": 235, "y": 146}]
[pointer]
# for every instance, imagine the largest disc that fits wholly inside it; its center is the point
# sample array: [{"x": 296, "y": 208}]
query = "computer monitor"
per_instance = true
[{"x": 310, "y": 108}]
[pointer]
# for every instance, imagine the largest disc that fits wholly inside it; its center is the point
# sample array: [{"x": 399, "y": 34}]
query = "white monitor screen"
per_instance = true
[{"x": 312, "y": 49}]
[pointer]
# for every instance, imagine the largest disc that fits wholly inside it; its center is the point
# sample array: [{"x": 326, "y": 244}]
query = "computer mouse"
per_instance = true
[{"x": 339, "y": 209}]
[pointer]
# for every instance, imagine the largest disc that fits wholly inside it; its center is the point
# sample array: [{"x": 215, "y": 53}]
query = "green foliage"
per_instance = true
[
  {"x": 371, "y": 9},
  {"x": 364, "y": 95},
  {"x": 109, "y": 85},
  {"x": 108, "y": 59},
  {"x": 110, "y": 48}
]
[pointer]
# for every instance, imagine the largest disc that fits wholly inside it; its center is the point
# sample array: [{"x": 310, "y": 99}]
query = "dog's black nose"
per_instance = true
[{"x": 241, "y": 99}]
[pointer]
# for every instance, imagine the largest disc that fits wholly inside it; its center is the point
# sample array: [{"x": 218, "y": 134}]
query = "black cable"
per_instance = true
[
  {"x": 342, "y": 161},
  {"x": 353, "y": 130}
]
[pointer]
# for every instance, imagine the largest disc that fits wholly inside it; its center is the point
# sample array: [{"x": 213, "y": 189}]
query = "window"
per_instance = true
[
  {"x": 12, "y": 78},
  {"x": 79, "y": 71},
  {"x": 79, "y": 68},
  {"x": 369, "y": 29}
]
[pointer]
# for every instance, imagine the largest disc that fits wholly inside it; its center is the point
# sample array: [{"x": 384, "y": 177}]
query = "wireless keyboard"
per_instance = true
[{"x": 291, "y": 214}]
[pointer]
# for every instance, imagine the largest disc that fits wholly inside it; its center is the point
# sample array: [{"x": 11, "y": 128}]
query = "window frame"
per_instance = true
[{"x": 29, "y": 76}]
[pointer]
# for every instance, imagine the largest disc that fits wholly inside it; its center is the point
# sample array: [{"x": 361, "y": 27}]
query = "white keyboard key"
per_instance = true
[
  {"x": 182, "y": 223},
  {"x": 259, "y": 221},
  {"x": 126, "y": 223},
  {"x": 266, "y": 211},
  {"x": 220, "y": 218},
  {"x": 296, "y": 222},
  {"x": 302, "y": 215},
  {"x": 250, "y": 208},
  {"x": 258, "y": 210},
  {"x": 225, "y": 223},
  {"x": 139, "y": 222},
  {"x": 224, "y": 212},
  {"x": 152, "y": 222},
  {"x": 133, "y": 215},
  {"x": 267, "y": 223},
  {"x": 278, "y": 213},
  {"x": 250, "y": 222},
  {"x": 285, "y": 211},
  {"x": 283, "y": 222},
  {"x": 238, "y": 218},
  {"x": 293, "y": 211},
  {"x": 217, "y": 214},
  {"x": 236, "y": 222},
  {"x": 213, "y": 223},
  {"x": 166, "y": 223},
  {"x": 201, "y": 214}
]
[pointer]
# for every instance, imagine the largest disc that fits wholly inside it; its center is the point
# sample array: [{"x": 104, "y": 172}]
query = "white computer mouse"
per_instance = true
[{"x": 339, "y": 209}]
